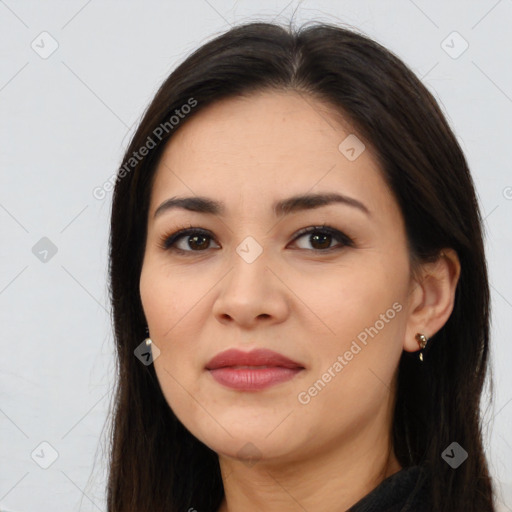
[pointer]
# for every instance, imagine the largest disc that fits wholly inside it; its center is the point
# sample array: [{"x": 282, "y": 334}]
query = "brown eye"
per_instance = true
[
  {"x": 194, "y": 240},
  {"x": 198, "y": 242},
  {"x": 321, "y": 237},
  {"x": 187, "y": 241}
]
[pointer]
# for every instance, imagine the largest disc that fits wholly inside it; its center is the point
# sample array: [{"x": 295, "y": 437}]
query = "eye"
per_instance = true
[
  {"x": 322, "y": 237},
  {"x": 189, "y": 240}
]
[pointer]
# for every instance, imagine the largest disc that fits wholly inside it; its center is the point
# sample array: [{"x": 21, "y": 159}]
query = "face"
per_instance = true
[{"x": 248, "y": 276}]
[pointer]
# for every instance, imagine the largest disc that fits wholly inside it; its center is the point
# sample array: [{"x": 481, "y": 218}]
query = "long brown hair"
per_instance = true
[{"x": 156, "y": 464}]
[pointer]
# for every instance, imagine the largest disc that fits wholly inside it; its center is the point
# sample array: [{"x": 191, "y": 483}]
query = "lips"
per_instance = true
[
  {"x": 256, "y": 358},
  {"x": 252, "y": 371}
]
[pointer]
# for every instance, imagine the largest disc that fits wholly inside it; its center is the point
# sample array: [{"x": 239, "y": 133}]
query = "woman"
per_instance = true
[{"x": 299, "y": 287}]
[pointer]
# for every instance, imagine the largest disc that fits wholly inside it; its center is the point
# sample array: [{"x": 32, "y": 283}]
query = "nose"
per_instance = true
[{"x": 251, "y": 294}]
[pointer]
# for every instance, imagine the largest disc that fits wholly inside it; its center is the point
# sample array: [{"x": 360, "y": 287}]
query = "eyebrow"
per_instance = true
[{"x": 280, "y": 208}]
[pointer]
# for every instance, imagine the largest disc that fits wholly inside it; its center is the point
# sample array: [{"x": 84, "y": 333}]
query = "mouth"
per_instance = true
[
  {"x": 252, "y": 371},
  {"x": 253, "y": 359},
  {"x": 253, "y": 378},
  {"x": 238, "y": 366}
]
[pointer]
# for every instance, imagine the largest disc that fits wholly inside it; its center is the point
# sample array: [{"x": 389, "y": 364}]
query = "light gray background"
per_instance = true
[{"x": 64, "y": 123}]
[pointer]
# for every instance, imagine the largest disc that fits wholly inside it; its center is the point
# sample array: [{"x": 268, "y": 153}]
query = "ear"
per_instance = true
[{"x": 431, "y": 298}]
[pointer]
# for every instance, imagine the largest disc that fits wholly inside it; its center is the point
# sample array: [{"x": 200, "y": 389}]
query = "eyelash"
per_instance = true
[{"x": 167, "y": 241}]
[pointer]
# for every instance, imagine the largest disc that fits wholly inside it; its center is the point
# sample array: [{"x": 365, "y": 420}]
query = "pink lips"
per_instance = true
[{"x": 253, "y": 370}]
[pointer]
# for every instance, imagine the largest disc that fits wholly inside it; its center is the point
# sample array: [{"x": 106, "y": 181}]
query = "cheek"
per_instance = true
[
  {"x": 173, "y": 311},
  {"x": 166, "y": 298},
  {"x": 359, "y": 315},
  {"x": 153, "y": 296},
  {"x": 342, "y": 301}
]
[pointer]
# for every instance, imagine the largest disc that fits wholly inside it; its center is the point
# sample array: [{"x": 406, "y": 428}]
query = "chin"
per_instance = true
[{"x": 248, "y": 445}]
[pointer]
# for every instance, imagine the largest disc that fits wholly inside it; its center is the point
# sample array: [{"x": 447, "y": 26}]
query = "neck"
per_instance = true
[{"x": 335, "y": 476}]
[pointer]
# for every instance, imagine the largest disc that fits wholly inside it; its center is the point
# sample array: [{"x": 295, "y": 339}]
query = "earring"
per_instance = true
[
  {"x": 422, "y": 342},
  {"x": 148, "y": 339}
]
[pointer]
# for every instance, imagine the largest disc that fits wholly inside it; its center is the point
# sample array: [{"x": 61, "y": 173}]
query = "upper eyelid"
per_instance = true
[
  {"x": 338, "y": 235},
  {"x": 188, "y": 231}
]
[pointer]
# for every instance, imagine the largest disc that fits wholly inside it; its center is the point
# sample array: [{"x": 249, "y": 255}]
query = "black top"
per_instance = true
[{"x": 404, "y": 491}]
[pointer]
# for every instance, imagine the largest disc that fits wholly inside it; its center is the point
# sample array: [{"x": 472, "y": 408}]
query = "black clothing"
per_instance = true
[{"x": 404, "y": 491}]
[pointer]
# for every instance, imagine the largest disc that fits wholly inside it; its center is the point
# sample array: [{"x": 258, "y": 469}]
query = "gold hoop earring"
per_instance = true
[{"x": 422, "y": 342}]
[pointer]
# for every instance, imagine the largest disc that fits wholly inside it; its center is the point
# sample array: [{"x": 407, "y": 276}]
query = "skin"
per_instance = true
[{"x": 295, "y": 299}]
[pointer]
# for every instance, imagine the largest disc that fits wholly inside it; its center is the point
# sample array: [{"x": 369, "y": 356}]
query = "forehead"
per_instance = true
[
  {"x": 266, "y": 145},
  {"x": 264, "y": 122}
]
